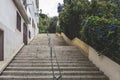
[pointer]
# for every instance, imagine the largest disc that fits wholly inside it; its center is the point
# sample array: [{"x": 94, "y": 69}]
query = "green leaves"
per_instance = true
[
  {"x": 43, "y": 23},
  {"x": 94, "y": 22},
  {"x": 53, "y": 25},
  {"x": 71, "y": 18},
  {"x": 102, "y": 34}
]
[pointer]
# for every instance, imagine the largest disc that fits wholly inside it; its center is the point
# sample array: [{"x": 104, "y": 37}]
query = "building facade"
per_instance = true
[{"x": 18, "y": 25}]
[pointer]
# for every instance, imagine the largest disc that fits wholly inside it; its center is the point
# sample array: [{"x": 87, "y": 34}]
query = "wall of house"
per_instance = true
[
  {"x": 31, "y": 10},
  {"x": 13, "y": 39}
]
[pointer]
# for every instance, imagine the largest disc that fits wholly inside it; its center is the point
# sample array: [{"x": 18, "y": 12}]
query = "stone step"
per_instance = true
[
  {"x": 56, "y": 42},
  {"x": 47, "y": 48},
  {"x": 53, "y": 38},
  {"x": 33, "y": 62},
  {"x": 37, "y": 73},
  {"x": 39, "y": 39},
  {"x": 46, "y": 53},
  {"x": 49, "y": 61},
  {"x": 39, "y": 55},
  {"x": 55, "y": 68},
  {"x": 36, "y": 46},
  {"x": 63, "y": 51},
  {"x": 45, "y": 43},
  {"x": 82, "y": 77},
  {"x": 48, "y": 57},
  {"x": 46, "y": 40},
  {"x": 32, "y": 50},
  {"x": 49, "y": 65},
  {"x": 68, "y": 48}
]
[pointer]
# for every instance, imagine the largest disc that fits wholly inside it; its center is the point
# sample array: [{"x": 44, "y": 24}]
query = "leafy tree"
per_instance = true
[
  {"x": 52, "y": 25},
  {"x": 76, "y": 11},
  {"x": 102, "y": 8},
  {"x": 103, "y": 35},
  {"x": 95, "y": 22},
  {"x": 72, "y": 16},
  {"x": 117, "y": 10},
  {"x": 43, "y": 23}
]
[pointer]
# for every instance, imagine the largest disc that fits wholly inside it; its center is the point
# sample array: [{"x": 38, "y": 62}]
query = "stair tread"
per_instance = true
[
  {"x": 71, "y": 76},
  {"x": 54, "y": 67},
  {"x": 33, "y": 62}
]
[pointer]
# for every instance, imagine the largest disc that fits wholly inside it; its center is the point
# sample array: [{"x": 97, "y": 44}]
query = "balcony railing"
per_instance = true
[{"x": 22, "y": 7}]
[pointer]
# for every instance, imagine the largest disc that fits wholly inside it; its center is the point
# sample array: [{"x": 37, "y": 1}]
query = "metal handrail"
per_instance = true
[
  {"x": 52, "y": 52},
  {"x": 60, "y": 77},
  {"x": 52, "y": 63}
]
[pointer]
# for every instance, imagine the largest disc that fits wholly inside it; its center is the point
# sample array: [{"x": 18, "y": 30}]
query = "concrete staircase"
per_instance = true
[{"x": 33, "y": 62}]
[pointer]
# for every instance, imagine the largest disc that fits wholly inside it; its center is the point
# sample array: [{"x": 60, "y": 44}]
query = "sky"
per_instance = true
[{"x": 49, "y": 7}]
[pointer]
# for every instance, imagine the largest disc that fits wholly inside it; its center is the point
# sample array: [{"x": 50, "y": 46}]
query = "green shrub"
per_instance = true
[
  {"x": 93, "y": 22},
  {"x": 102, "y": 34}
]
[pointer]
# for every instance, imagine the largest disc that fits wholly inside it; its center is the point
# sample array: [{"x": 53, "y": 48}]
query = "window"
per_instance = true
[
  {"x": 25, "y": 4},
  {"x": 1, "y": 45},
  {"x": 30, "y": 20},
  {"x": 29, "y": 34},
  {"x": 33, "y": 23},
  {"x": 18, "y": 22}
]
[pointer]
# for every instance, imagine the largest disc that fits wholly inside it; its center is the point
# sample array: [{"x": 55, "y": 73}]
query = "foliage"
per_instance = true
[
  {"x": 58, "y": 29},
  {"x": 103, "y": 35},
  {"x": 117, "y": 9},
  {"x": 52, "y": 25},
  {"x": 102, "y": 8},
  {"x": 43, "y": 23},
  {"x": 47, "y": 24},
  {"x": 94, "y": 22},
  {"x": 76, "y": 11},
  {"x": 71, "y": 17}
]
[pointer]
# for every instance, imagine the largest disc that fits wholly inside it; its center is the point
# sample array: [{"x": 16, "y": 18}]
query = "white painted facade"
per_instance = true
[
  {"x": 33, "y": 14},
  {"x": 13, "y": 38}
]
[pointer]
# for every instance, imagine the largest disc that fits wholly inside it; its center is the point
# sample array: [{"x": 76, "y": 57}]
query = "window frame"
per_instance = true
[{"x": 18, "y": 22}]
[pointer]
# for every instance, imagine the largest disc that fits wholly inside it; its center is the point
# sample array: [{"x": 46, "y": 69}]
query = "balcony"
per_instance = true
[{"x": 20, "y": 4}]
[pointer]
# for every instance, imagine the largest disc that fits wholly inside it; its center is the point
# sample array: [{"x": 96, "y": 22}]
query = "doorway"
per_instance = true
[
  {"x": 25, "y": 38},
  {"x": 1, "y": 45}
]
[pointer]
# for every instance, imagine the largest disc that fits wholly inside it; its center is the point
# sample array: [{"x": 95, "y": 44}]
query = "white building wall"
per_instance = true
[
  {"x": 30, "y": 28},
  {"x": 32, "y": 9},
  {"x": 12, "y": 37}
]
